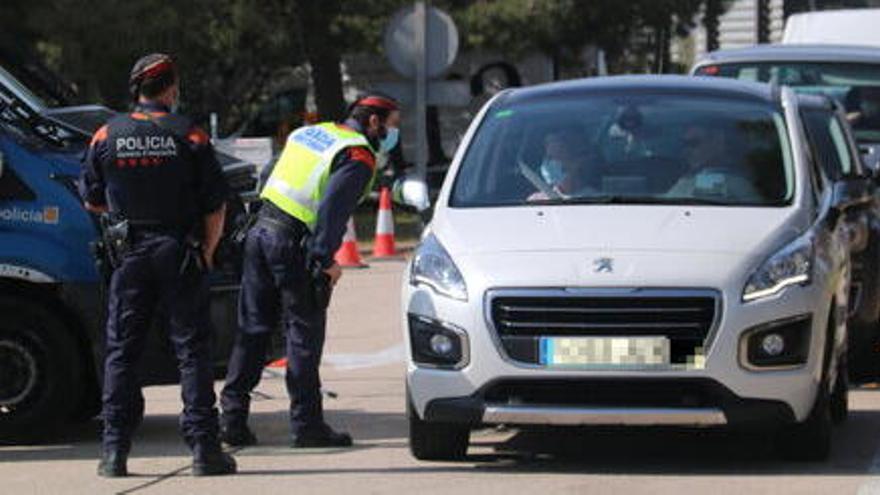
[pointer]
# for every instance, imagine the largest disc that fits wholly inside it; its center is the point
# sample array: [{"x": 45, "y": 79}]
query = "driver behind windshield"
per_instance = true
[
  {"x": 567, "y": 164},
  {"x": 712, "y": 169}
]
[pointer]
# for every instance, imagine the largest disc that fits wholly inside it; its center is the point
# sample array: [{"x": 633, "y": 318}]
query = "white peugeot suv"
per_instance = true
[{"x": 645, "y": 251}]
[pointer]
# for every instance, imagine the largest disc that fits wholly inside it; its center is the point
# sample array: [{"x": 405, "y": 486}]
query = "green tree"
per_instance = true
[
  {"x": 228, "y": 50},
  {"x": 562, "y": 28}
]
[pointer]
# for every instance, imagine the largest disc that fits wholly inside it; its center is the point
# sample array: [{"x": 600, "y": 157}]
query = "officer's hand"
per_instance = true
[
  {"x": 208, "y": 256},
  {"x": 334, "y": 271}
]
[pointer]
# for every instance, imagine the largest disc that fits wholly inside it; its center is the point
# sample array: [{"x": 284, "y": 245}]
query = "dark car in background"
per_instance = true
[
  {"x": 840, "y": 91},
  {"x": 836, "y": 158}
]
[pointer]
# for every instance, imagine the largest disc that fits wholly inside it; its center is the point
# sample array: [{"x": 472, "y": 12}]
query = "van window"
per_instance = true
[{"x": 628, "y": 148}]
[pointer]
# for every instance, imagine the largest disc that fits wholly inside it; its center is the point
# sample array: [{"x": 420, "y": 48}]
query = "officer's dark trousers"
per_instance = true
[
  {"x": 149, "y": 278},
  {"x": 276, "y": 287}
]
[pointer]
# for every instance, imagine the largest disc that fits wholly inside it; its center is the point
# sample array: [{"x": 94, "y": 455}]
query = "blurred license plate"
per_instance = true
[{"x": 584, "y": 351}]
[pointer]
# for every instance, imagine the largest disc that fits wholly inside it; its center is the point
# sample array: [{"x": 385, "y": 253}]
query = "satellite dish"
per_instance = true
[{"x": 441, "y": 38}]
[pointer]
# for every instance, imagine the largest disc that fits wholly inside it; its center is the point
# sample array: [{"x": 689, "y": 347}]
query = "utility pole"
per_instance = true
[{"x": 421, "y": 36}]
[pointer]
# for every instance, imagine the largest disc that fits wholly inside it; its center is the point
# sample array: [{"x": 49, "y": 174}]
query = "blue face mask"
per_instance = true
[
  {"x": 552, "y": 171},
  {"x": 392, "y": 135}
]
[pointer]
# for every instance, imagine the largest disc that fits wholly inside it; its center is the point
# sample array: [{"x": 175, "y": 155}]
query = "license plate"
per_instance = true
[{"x": 604, "y": 351}]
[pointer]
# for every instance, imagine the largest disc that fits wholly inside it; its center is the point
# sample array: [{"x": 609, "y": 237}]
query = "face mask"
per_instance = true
[
  {"x": 552, "y": 171},
  {"x": 387, "y": 143}
]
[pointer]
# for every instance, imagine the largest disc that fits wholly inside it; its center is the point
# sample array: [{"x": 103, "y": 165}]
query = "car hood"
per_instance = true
[
  {"x": 647, "y": 228},
  {"x": 646, "y": 246}
]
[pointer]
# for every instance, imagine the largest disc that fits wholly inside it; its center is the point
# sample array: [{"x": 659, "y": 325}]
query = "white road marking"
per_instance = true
[
  {"x": 390, "y": 355},
  {"x": 872, "y": 485}
]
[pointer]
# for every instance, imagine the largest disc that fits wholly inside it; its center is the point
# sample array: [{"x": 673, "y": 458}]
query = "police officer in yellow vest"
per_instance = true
[{"x": 322, "y": 174}]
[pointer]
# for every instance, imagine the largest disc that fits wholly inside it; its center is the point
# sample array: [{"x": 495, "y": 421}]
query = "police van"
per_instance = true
[{"x": 52, "y": 296}]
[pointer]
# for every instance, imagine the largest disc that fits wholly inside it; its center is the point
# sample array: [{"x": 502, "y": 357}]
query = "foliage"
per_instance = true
[{"x": 232, "y": 51}]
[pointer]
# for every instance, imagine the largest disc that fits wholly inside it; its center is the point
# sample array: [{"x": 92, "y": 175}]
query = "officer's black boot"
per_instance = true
[
  {"x": 113, "y": 464},
  {"x": 321, "y": 437},
  {"x": 237, "y": 436},
  {"x": 210, "y": 460}
]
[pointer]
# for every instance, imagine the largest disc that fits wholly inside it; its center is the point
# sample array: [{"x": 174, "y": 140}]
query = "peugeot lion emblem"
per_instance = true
[{"x": 603, "y": 265}]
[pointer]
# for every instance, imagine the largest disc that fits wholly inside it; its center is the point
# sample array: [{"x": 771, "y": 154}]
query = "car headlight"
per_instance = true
[
  {"x": 433, "y": 267},
  {"x": 792, "y": 265}
]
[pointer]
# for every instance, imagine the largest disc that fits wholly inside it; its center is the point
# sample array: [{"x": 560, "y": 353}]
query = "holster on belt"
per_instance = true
[
  {"x": 193, "y": 258},
  {"x": 322, "y": 291},
  {"x": 115, "y": 240}
]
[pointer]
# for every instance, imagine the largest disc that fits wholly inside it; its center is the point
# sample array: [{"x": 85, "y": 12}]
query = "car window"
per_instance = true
[
  {"x": 829, "y": 143},
  {"x": 855, "y": 85},
  {"x": 841, "y": 146},
  {"x": 628, "y": 148}
]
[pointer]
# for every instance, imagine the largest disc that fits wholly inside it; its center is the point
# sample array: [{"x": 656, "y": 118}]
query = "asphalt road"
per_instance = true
[{"x": 364, "y": 367}]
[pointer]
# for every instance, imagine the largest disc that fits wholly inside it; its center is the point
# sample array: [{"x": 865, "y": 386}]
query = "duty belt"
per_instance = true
[{"x": 277, "y": 222}]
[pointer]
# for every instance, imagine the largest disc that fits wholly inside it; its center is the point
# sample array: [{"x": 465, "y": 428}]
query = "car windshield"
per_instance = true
[
  {"x": 20, "y": 91},
  {"x": 628, "y": 148},
  {"x": 856, "y": 86}
]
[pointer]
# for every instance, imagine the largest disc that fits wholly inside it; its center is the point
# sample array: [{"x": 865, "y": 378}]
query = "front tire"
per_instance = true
[
  {"x": 436, "y": 441},
  {"x": 811, "y": 440},
  {"x": 840, "y": 393},
  {"x": 42, "y": 379}
]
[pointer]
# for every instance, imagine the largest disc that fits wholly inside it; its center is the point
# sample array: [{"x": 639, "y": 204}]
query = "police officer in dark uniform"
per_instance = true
[
  {"x": 314, "y": 187},
  {"x": 155, "y": 177}
]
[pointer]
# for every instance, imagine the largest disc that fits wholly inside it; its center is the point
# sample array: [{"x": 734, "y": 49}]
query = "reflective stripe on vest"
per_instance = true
[{"x": 299, "y": 180}]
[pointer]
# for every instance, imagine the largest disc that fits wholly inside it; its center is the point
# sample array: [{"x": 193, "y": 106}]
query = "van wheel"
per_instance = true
[
  {"x": 436, "y": 441},
  {"x": 41, "y": 374}
]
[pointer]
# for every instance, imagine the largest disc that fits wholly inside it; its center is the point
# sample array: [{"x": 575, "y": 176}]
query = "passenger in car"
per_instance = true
[{"x": 712, "y": 170}]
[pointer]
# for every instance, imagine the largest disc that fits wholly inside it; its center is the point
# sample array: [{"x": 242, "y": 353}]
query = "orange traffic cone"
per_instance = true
[
  {"x": 278, "y": 363},
  {"x": 383, "y": 245},
  {"x": 348, "y": 254}
]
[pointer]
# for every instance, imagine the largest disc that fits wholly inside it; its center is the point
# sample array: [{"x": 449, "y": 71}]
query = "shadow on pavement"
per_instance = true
[
  {"x": 649, "y": 452},
  {"x": 549, "y": 451},
  {"x": 159, "y": 436}
]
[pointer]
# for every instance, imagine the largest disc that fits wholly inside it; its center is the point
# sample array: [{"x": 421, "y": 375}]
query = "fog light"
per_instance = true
[
  {"x": 773, "y": 344},
  {"x": 442, "y": 344},
  {"x": 778, "y": 344},
  {"x": 437, "y": 344}
]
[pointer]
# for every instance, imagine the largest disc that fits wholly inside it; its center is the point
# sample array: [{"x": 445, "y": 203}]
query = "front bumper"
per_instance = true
[
  {"x": 739, "y": 394},
  {"x": 643, "y": 402}
]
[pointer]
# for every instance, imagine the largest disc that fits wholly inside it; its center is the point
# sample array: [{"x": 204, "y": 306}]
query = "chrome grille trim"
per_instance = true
[{"x": 637, "y": 294}]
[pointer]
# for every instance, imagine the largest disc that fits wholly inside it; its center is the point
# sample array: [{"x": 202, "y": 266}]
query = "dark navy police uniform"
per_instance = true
[
  {"x": 159, "y": 172},
  {"x": 276, "y": 288}
]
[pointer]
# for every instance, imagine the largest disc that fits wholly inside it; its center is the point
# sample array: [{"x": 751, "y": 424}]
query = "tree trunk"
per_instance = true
[{"x": 315, "y": 23}]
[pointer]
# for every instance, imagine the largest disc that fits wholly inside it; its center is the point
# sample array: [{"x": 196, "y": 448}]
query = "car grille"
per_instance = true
[{"x": 521, "y": 319}]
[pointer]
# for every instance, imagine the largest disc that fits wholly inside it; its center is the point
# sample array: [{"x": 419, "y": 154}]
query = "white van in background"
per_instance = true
[{"x": 836, "y": 27}]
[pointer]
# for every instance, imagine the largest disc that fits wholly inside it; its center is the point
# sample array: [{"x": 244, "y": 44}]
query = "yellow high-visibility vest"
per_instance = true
[{"x": 299, "y": 180}]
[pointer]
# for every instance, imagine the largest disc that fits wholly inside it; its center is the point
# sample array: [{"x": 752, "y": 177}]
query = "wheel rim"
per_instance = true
[{"x": 19, "y": 368}]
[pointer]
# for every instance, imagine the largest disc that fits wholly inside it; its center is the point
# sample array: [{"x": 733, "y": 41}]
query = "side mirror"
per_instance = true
[
  {"x": 412, "y": 191},
  {"x": 871, "y": 160}
]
